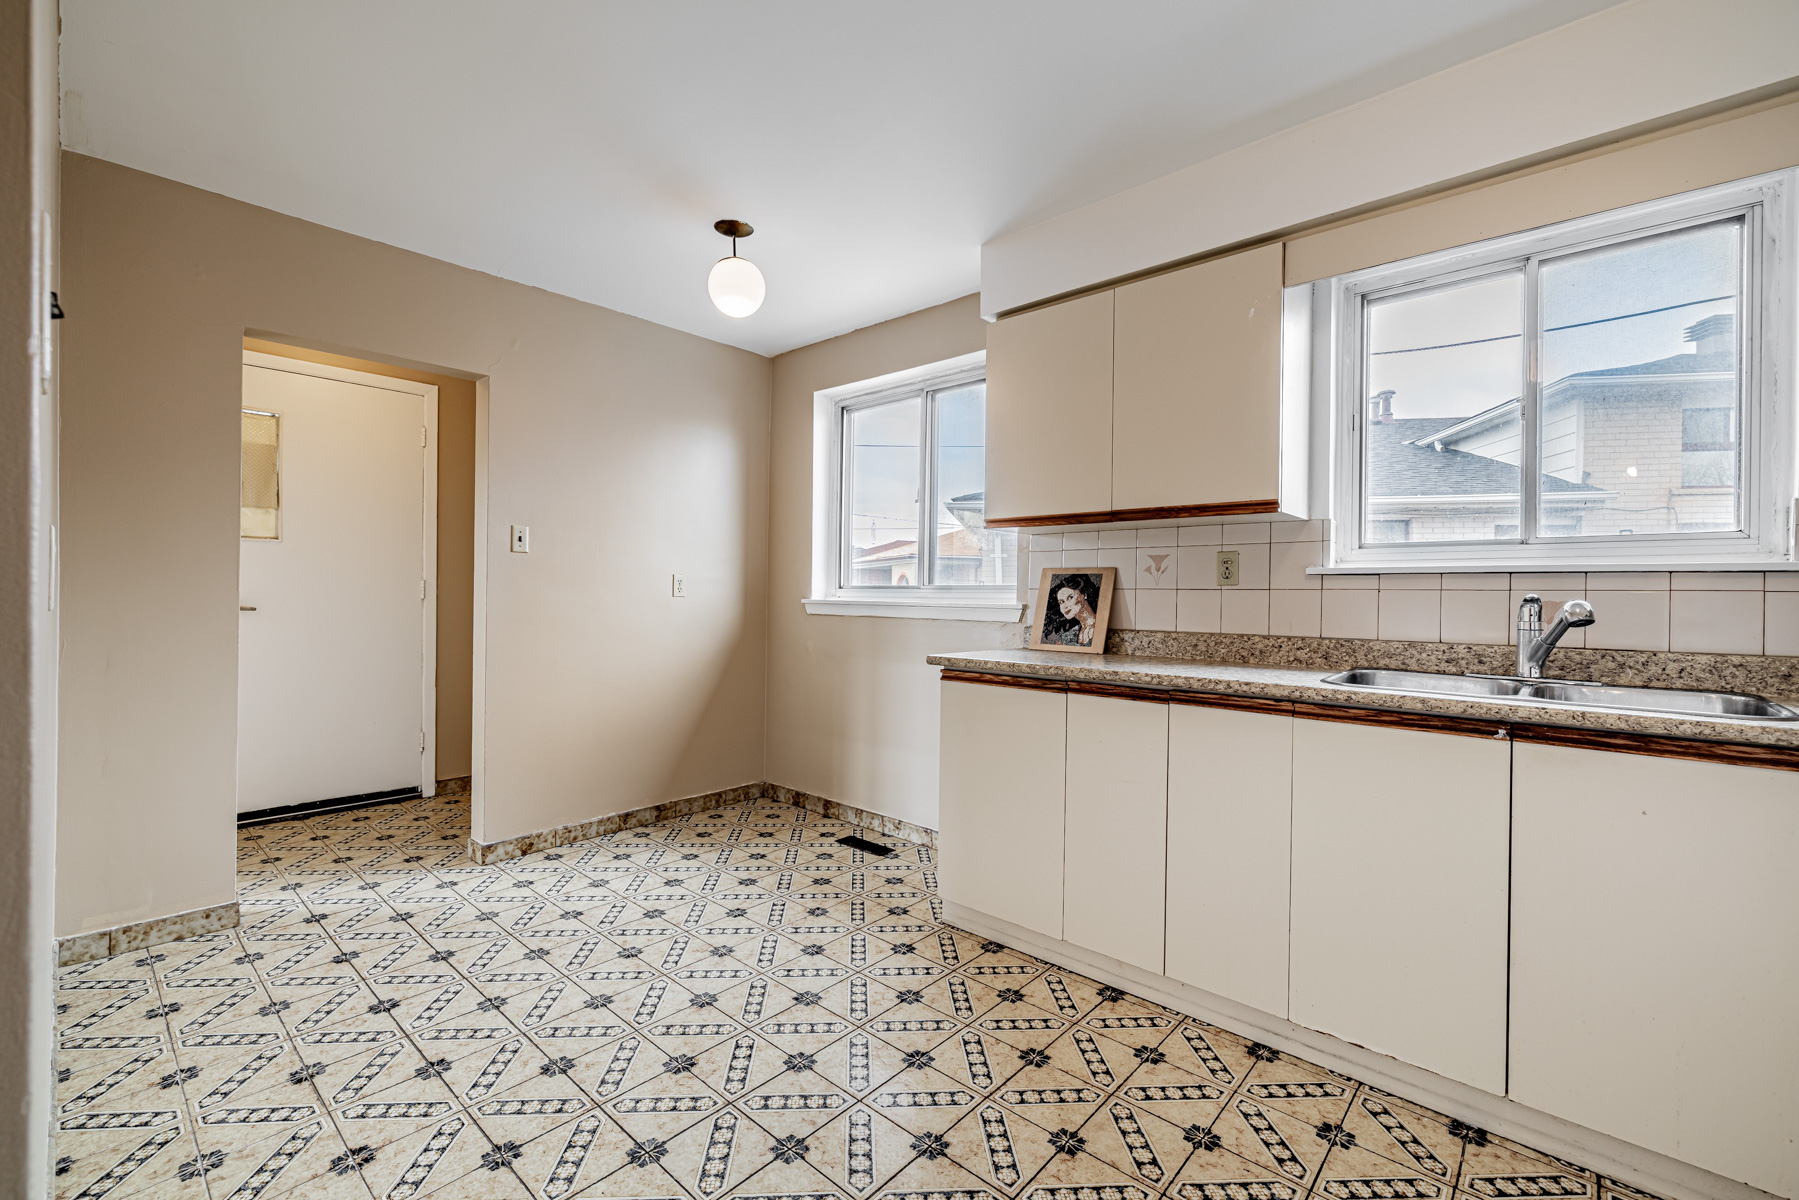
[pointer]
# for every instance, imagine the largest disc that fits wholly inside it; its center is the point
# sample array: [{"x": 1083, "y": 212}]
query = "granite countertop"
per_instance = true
[{"x": 1307, "y": 684}]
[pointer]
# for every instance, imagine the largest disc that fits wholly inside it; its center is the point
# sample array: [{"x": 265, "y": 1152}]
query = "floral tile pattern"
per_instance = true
[{"x": 727, "y": 1004}]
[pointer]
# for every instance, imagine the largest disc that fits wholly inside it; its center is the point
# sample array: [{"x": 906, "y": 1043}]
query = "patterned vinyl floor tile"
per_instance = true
[{"x": 721, "y": 1006}]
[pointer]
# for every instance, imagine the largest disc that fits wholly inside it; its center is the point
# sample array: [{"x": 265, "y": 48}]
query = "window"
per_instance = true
[
  {"x": 259, "y": 484},
  {"x": 1601, "y": 391},
  {"x": 907, "y": 461}
]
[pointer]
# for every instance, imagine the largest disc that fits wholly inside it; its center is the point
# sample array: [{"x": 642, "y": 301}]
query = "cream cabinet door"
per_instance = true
[
  {"x": 1196, "y": 384},
  {"x": 1400, "y": 842},
  {"x": 1117, "y": 828},
  {"x": 1655, "y": 955},
  {"x": 1230, "y": 808},
  {"x": 1049, "y": 410},
  {"x": 999, "y": 811}
]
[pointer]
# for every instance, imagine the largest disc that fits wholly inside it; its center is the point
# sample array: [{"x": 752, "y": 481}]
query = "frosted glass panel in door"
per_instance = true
[{"x": 331, "y": 632}]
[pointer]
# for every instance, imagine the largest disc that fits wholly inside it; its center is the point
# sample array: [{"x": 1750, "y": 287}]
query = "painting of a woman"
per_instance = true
[{"x": 1072, "y": 609}]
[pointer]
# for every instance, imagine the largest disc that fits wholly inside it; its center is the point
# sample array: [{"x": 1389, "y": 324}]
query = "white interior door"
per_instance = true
[{"x": 334, "y": 621}]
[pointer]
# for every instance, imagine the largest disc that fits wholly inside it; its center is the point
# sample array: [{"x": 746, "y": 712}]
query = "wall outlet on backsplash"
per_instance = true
[{"x": 1228, "y": 572}]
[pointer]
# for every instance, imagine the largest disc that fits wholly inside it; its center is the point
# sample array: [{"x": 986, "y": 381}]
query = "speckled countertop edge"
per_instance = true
[{"x": 1281, "y": 683}]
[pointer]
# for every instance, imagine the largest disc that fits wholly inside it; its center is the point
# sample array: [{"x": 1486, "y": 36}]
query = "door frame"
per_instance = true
[{"x": 427, "y": 531}]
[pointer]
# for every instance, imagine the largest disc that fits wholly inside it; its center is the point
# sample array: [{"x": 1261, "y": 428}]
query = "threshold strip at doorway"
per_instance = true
[{"x": 262, "y": 816}]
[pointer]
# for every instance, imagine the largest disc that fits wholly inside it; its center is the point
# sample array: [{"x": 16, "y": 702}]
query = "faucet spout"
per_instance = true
[{"x": 1535, "y": 642}]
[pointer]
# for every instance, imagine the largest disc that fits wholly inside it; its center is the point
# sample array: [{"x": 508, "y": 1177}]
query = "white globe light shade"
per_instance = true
[{"x": 736, "y": 286}]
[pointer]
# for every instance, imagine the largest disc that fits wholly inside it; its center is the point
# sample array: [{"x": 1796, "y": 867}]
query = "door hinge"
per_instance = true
[
  {"x": 423, "y": 435},
  {"x": 421, "y": 741},
  {"x": 422, "y": 585}
]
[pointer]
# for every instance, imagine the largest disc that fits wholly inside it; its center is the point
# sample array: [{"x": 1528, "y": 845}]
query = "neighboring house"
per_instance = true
[
  {"x": 967, "y": 554},
  {"x": 1645, "y": 448}
]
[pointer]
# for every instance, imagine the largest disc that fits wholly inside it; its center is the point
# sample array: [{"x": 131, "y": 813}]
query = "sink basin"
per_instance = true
[
  {"x": 1428, "y": 684},
  {"x": 1575, "y": 693}
]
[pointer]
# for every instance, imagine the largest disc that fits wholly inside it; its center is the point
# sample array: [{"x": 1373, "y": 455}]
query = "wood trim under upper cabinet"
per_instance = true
[
  {"x": 1427, "y": 722},
  {"x": 1255, "y": 704},
  {"x": 1779, "y": 758},
  {"x": 1174, "y": 512},
  {"x": 1025, "y": 682}
]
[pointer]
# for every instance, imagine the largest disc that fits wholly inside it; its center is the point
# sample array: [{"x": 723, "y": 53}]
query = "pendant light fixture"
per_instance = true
[{"x": 735, "y": 284}]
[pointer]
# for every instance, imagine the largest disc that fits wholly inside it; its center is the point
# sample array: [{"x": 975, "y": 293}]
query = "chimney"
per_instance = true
[
  {"x": 1714, "y": 335},
  {"x": 1381, "y": 406}
]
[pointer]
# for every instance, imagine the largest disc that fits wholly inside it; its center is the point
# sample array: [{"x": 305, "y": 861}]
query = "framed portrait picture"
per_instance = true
[{"x": 1074, "y": 604}]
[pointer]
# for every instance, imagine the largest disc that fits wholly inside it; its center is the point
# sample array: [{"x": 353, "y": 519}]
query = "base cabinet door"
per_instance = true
[
  {"x": 1000, "y": 802},
  {"x": 1117, "y": 822},
  {"x": 1230, "y": 798},
  {"x": 1400, "y": 841},
  {"x": 1655, "y": 955}
]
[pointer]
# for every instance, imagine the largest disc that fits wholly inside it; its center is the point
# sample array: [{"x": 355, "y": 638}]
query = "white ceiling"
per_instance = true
[{"x": 586, "y": 146}]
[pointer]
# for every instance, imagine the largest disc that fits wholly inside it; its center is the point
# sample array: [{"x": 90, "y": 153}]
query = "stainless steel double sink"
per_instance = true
[{"x": 1671, "y": 702}]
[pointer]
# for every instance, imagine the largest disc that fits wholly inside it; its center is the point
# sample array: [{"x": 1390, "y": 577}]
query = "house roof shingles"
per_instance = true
[{"x": 1399, "y": 467}]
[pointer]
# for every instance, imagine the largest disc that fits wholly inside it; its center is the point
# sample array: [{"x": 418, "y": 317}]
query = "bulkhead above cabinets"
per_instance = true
[{"x": 1164, "y": 398}]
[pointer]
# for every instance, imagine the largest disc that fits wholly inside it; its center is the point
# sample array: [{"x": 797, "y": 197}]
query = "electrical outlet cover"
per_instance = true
[{"x": 1228, "y": 573}]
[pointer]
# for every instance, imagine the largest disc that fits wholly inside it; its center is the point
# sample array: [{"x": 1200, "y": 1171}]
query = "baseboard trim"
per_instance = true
[
  {"x": 581, "y": 831},
  {"x": 1539, "y": 1130},
  {"x": 836, "y": 810},
  {"x": 313, "y": 808},
  {"x": 649, "y": 814},
  {"x": 141, "y": 935}
]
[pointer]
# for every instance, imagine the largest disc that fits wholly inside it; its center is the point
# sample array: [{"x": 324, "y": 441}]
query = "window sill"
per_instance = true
[{"x": 1006, "y": 612}]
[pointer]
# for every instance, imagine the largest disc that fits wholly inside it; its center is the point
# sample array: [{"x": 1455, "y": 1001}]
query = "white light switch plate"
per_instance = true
[{"x": 521, "y": 539}]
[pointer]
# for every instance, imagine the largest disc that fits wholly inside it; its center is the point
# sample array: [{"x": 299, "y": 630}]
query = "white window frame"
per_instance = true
[
  {"x": 830, "y": 496},
  {"x": 1767, "y": 337}
]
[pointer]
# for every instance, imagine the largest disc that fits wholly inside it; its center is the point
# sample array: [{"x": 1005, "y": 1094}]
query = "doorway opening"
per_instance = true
[{"x": 355, "y": 583}]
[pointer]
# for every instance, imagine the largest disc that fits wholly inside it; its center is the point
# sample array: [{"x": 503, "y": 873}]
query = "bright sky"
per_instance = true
[
  {"x": 1462, "y": 380},
  {"x": 885, "y": 477}
]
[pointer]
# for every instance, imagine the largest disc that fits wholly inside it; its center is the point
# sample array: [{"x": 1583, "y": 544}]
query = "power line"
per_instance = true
[{"x": 1506, "y": 337}]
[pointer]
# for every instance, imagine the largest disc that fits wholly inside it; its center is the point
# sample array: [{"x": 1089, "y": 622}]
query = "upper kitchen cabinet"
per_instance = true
[
  {"x": 1182, "y": 395},
  {"x": 1049, "y": 412},
  {"x": 1196, "y": 385}
]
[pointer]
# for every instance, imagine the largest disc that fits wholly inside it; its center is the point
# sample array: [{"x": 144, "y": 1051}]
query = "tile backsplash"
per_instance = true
[{"x": 1167, "y": 580}]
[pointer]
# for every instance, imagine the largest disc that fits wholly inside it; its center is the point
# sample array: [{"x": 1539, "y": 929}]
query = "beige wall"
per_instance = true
[
  {"x": 633, "y": 451},
  {"x": 852, "y": 705},
  {"x": 455, "y": 541},
  {"x": 1759, "y": 138}
]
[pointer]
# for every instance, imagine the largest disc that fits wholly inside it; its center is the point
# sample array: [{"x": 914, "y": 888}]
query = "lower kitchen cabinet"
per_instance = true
[
  {"x": 1400, "y": 846},
  {"x": 1230, "y": 798},
  {"x": 1001, "y": 797},
  {"x": 1117, "y": 827},
  {"x": 1655, "y": 954}
]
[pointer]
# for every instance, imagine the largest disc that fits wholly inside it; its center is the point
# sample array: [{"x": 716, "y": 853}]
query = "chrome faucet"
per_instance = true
[{"x": 1535, "y": 642}]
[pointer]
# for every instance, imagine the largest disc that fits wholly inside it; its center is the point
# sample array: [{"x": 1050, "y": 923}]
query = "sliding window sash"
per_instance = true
[{"x": 1766, "y": 395}]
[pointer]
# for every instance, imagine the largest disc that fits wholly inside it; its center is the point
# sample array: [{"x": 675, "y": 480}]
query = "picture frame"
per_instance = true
[{"x": 1074, "y": 609}]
